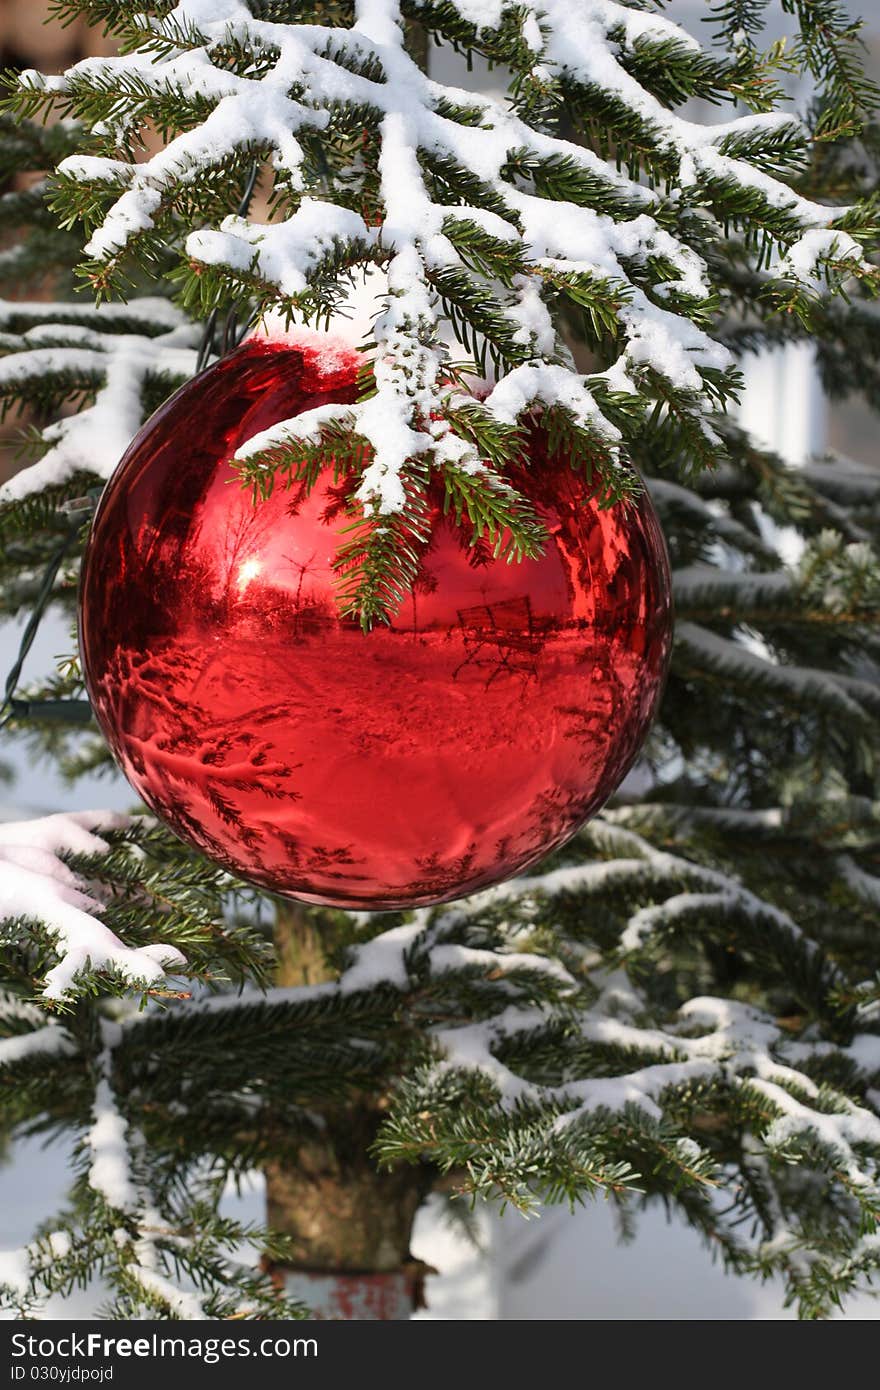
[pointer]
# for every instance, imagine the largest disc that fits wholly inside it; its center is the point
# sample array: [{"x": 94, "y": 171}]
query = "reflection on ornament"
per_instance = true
[{"x": 424, "y": 760}]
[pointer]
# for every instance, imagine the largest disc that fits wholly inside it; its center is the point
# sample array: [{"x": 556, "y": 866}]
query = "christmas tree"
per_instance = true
[{"x": 679, "y": 1004}]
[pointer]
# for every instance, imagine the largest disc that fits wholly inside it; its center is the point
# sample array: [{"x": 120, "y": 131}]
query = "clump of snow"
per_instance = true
[
  {"x": 183, "y": 1303},
  {"x": 286, "y": 253},
  {"x": 456, "y": 957},
  {"x": 15, "y": 1271},
  {"x": 305, "y": 428},
  {"x": 545, "y": 384},
  {"x": 36, "y": 885},
  {"x": 50, "y": 1040},
  {"x": 60, "y": 1244},
  {"x": 803, "y": 260},
  {"x": 110, "y": 1169},
  {"x": 382, "y": 961},
  {"x": 688, "y": 1150}
]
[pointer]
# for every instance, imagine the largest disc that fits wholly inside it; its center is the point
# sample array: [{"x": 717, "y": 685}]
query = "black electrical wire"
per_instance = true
[{"x": 12, "y": 707}]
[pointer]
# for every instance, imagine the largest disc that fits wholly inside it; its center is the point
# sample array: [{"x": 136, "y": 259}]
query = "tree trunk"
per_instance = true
[{"x": 349, "y": 1224}]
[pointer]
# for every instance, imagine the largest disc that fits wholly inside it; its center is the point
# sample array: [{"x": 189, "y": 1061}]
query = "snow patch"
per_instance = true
[{"x": 36, "y": 885}]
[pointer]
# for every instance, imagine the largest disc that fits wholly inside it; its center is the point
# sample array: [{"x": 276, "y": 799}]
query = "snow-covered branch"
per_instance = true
[
  {"x": 37, "y": 888},
  {"x": 74, "y": 348},
  {"x": 483, "y": 218}
]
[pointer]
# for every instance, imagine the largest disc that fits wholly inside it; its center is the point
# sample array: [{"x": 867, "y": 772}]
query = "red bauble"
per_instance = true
[{"x": 409, "y": 765}]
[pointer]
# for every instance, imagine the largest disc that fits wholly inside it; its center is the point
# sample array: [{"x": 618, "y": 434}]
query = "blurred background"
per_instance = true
[{"x": 561, "y": 1265}]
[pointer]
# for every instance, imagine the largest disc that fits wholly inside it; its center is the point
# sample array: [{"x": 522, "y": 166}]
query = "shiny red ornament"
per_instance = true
[{"x": 409, "y": 765}]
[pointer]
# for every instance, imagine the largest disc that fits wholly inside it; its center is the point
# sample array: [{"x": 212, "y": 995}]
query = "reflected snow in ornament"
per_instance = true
[{"x": 416, "y": 763}]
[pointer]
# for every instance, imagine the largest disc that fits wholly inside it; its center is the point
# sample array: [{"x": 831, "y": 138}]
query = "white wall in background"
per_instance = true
[{"x": 783, "y": 406}]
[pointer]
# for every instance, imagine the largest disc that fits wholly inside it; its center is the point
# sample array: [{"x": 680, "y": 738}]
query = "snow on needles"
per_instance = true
[
  {"x": 708, "y": 1041},
  {"x": 308, "y": 72},
  {"x": 36, "y": 885},
  {"x": 117, "y": 366}
]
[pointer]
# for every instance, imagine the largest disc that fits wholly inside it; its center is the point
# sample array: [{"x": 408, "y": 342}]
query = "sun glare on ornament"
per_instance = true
[{"x": 248, "y": 571}]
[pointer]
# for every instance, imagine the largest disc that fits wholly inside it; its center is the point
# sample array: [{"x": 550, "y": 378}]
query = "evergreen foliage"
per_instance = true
[{"x": 681, "y": 1003}]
